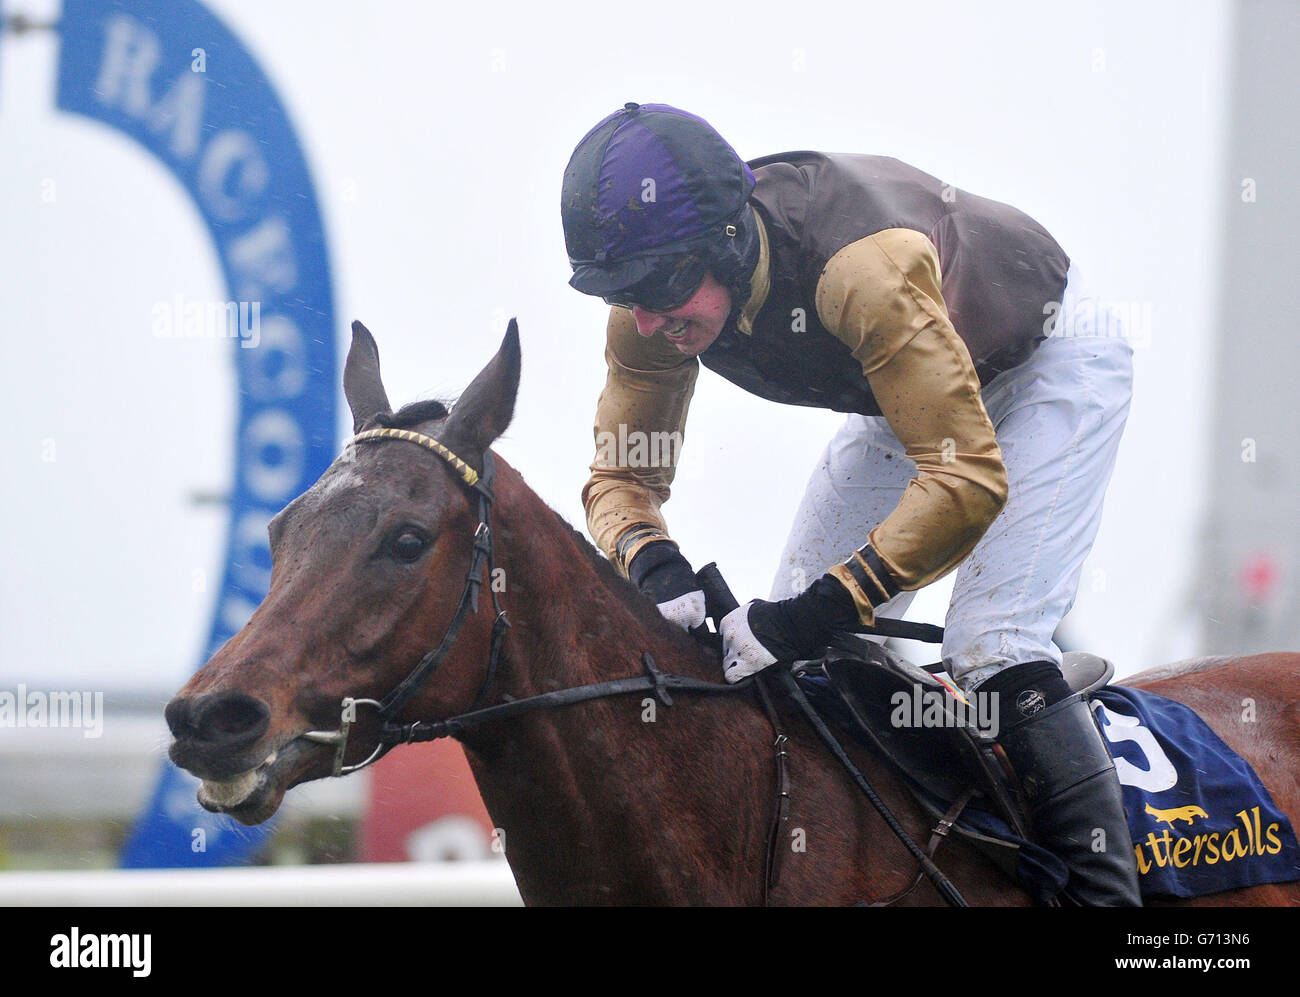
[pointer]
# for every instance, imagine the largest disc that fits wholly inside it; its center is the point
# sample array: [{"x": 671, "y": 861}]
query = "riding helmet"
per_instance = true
[{"x": 651, "y": 182}]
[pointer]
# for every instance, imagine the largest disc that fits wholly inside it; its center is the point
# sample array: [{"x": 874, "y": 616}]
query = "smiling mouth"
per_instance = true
[{"x": 677, "y": 333}]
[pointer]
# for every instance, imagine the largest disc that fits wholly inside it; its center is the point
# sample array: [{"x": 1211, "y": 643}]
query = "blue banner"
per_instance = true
[{"x": 171, "y": 76}]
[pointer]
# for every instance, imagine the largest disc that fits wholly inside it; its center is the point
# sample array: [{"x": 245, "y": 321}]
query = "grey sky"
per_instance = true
[{"x": 437, "y": 136}]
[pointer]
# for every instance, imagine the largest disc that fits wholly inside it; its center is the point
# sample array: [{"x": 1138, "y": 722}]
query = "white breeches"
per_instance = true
[{"x": 1058, "y": 418}]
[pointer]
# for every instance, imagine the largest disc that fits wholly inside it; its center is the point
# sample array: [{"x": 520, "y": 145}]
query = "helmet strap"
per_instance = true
[{"x": 732, "y": 261}]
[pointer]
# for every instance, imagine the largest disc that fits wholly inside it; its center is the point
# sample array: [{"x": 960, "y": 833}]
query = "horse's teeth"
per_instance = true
[{"x": 229, "y": 792}]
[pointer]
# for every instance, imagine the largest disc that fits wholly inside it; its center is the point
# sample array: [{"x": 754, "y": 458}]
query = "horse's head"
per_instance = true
[{"x": 368, "y": 568}]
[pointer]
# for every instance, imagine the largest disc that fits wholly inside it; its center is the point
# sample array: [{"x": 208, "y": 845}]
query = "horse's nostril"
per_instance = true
[
  {"x": 177, "y": 715},
  {"x": 232, "y": 718}
]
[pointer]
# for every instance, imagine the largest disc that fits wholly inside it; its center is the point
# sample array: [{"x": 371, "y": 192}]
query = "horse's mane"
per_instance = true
[
  {"x": 641, "y": 608},
  {"x": 411, "y": 414},
  {"x": 627, "y": 593}
]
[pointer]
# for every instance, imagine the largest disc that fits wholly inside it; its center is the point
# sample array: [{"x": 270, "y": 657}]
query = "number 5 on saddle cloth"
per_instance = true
[{"x": 1173, "y": 770}]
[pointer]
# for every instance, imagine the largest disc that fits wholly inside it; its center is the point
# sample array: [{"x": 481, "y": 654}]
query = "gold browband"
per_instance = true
[{"x": 466, "y": 472}]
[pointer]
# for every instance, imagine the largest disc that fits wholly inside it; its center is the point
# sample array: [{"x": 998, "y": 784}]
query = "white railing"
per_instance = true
[{"x": 411, "y": 884}]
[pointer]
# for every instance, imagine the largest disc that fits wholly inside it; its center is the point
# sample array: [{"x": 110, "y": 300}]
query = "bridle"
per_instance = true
[{"x": 392, "y": 733}]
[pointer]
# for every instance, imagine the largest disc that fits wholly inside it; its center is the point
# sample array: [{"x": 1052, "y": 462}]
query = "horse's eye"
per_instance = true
[{"x": 407, "y": 546}]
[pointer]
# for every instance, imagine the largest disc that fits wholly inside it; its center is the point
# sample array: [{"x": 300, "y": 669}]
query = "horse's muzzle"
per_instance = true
[{"x": 217, "y": 734}]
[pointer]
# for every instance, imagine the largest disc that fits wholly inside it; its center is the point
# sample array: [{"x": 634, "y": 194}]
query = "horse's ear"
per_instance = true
[
  {"x": 484, "y": 411},
  {"x": 362, "y": 386}
]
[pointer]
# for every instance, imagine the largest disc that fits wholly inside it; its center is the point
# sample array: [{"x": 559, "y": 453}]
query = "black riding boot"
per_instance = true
[{"x": 1074, "y": 801}]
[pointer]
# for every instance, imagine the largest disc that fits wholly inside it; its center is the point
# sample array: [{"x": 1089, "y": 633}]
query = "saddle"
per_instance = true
[
  {"x": 953, "y": 766},
  {"x": 941, "y": 744}
]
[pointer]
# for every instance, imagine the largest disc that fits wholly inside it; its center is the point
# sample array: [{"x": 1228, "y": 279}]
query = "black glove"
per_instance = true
[
  {"x": 761, "y": 633},
  {"x": 660, "y": 572}
]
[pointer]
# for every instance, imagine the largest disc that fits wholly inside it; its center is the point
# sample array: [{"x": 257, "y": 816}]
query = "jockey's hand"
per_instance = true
[
  {"x": 761, "y": 633},
  {"x": 660, "y": 571}
]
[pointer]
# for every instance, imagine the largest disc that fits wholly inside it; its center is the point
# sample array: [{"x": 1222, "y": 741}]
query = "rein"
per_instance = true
[{"x": 392, "y": 732}]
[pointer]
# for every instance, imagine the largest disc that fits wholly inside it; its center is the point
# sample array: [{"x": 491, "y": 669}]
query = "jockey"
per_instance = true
[{"x": 983, "y": 406}]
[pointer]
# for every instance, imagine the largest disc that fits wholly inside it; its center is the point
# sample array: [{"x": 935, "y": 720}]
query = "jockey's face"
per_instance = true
[{"x": 693, "y": 326}]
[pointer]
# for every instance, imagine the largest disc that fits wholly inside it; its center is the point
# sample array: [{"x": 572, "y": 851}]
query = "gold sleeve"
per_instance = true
[
  {"x": 639, "y": 428},
  {"x": 881, "y": 297}
]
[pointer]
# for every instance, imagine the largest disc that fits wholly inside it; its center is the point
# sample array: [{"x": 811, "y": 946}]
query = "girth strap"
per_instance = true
[{"x": 945, "y": 888}]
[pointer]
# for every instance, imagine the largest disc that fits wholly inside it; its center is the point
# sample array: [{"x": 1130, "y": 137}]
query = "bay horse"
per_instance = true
[{"x": 618, "y": 800}]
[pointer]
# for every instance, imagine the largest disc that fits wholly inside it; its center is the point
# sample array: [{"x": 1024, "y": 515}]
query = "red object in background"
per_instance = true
[
  {"x": 1259, "y": 575},
  {"x": 422, "y": 804}
]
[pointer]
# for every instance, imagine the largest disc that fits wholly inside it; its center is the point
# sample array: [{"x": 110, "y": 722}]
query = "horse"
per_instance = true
[{"x": 648, "y": 797}]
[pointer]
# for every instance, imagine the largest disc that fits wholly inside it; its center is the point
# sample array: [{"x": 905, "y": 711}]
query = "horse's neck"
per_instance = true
[
  {"x": 580, "y": 622},
  {"x": 583, "y": 793}
]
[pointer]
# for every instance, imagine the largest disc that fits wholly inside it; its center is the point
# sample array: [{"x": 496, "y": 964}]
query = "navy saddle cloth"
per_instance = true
[{"x": 1200, "y": 819}]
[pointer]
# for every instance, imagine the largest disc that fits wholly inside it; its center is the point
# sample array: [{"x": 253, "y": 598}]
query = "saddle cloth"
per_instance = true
[{"x": 1200, "y": 819}]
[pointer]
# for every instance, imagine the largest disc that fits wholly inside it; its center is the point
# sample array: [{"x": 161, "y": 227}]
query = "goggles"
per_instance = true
[{"x": 665, "y": 289}]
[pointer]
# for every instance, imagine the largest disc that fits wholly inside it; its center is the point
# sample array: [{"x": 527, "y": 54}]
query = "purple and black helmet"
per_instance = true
[{"x": 648, "y": 182}]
